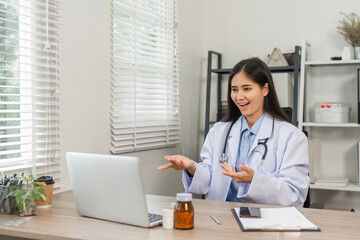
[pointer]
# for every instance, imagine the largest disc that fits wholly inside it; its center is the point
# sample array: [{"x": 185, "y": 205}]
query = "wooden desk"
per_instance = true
[{"x": 61, "y": 221}]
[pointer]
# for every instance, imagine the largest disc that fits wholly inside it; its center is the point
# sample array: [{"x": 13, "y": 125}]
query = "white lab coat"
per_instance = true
[{"x": 281, "y": 180}]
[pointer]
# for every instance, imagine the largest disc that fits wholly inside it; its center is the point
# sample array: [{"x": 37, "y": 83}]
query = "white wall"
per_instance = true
[
  {"x": 242, "y": 29},
  {"x": 85, "y": 93},
  {"x": 191, "y": 16}
]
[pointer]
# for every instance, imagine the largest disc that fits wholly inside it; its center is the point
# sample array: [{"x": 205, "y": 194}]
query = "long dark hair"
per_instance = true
[{"x": 257, "y": 70}]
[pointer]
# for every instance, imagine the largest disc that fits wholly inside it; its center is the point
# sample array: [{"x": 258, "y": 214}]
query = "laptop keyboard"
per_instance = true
[{"x": 154, "y": 217}]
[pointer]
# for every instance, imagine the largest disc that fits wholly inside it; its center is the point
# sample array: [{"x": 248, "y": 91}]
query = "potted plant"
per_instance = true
[
  {"x": 26, "y": 199},
  {"x": 349, "y": 28}
]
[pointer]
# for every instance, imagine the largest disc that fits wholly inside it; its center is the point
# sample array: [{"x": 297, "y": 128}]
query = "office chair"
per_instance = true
[{"x": 307, "y": 203}]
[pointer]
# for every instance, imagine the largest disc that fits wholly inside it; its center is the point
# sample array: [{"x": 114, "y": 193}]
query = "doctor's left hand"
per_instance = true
[{"x": 240, "y": 177}]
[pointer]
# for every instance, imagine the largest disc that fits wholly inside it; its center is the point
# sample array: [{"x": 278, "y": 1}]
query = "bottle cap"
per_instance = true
[
  {"x": 183, "y": 197},
  {"x": 167, "y": 212}
]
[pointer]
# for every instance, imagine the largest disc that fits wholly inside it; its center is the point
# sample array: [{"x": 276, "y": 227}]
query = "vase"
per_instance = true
[
  {"x": 30, "y": 210},
  {"x": 357, "y": 52}
]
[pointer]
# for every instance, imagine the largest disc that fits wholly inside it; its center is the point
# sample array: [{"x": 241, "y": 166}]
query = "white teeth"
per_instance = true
[{"x": 243, "y": 104}]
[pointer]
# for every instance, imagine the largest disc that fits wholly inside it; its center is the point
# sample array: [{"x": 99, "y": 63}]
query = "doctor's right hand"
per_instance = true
[{"x": 179, "y": 162}]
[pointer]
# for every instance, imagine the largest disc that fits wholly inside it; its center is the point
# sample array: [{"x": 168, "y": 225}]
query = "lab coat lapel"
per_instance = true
[
  {"x": 264, "y": 131},
  {"x": 233, "y": 141}
]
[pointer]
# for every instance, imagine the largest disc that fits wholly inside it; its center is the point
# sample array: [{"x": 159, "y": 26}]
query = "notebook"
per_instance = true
[{"x": 109, "y": 187}]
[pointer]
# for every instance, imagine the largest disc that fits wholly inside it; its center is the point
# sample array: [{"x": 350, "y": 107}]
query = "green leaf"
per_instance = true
[
  {"x": 39, "y": 183},
  {"x": 14, "y": 192},
  {"x": 27, "y": 198},
  {"x": 39, "y": 193},
  {"x": 23, "y": 197},
  {"x": 23, "y": 178},
  {"x": 20, "y": 200}
]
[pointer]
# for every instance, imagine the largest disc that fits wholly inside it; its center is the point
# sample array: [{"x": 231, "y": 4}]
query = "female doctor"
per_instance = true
[{"x": 254, "y": 155}]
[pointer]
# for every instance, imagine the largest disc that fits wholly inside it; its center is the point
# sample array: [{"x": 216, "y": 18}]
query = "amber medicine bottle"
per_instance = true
[{"x": 184, "y": 211}]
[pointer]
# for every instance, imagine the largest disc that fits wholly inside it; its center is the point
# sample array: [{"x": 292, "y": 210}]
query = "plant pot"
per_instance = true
[
  {"x": 30, "y": 210},
  {"x": 357, "y": 52}
]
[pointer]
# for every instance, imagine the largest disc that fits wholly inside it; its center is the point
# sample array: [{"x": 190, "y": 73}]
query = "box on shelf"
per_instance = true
[{"x": 332, "y": 112}]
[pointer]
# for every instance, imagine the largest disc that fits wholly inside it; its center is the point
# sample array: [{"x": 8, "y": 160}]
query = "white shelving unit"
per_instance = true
[
  {"x": 352, "y": 187},
  {"x": 338, "y": 140},
  {"x": 315, "y": 124},
  {"x": 332, "y": 63}
]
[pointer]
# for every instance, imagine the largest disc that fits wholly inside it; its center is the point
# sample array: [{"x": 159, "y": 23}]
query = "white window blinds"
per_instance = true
[
  {"x": 29, "y": 117},
  {"x": 145, "y": 75}
]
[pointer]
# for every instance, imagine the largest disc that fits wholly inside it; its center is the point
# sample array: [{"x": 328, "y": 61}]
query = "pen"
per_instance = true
[{"x": 215, "y": 219}]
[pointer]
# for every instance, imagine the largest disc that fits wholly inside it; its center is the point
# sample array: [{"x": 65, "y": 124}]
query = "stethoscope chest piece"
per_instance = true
[{"x": 223, "y": 158}]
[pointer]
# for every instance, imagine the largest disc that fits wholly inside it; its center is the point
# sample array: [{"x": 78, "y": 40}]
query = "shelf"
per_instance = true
[
  {"x": 315, "y": 124},
  {"x": 283, "y": 69},
  {"x": 220, "y": 71},
  {"x": 351, "y": 187},
  {"x": 332, "y": 63}
]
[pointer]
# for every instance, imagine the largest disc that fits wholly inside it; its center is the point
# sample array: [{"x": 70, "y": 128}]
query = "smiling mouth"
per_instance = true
[{"x": 244, "y": 104}]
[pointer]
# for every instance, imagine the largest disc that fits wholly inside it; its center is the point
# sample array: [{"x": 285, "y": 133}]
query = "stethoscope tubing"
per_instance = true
[{"x": 223, "y": 158}]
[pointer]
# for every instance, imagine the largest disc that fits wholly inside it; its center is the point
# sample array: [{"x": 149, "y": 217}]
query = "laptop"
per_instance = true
[{"x": 110, "y": 187}]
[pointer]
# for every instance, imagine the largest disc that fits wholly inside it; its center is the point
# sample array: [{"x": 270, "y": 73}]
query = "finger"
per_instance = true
[
  {"x": 226, "y": 173},
  {"x": 230, "y": 174},
  {"x": 181, "y": 162},
  {"x": 175, "y": 164},
  {"x": 165, "y": 166},
  {"x": 233, "y": 176},
  {"x": 226, "y": 167},
  {"x": 233, "y": 168},
  {"x": 169, "y": 158},
  {"x": 244, "y": 168},
  {"x": 222, "y": 165}
]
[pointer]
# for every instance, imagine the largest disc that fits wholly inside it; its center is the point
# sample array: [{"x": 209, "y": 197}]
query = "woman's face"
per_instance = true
[{"x": 248, "y": 96}]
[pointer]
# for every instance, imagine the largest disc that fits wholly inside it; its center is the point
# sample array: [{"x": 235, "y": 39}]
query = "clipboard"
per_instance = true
[{"x": 287, "y": 219}]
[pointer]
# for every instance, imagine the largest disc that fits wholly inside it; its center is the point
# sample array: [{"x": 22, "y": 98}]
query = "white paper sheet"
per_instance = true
[{"x": 278, "y": 219}]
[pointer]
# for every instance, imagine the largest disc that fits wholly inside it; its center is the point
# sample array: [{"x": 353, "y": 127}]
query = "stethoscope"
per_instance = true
[{"x": 224, "y": 158}]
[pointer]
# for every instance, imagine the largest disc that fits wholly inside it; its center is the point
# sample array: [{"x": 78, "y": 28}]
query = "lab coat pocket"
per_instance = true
[
  {"x": 254, "y": 159},
  {"x": 266, "y": 166}
]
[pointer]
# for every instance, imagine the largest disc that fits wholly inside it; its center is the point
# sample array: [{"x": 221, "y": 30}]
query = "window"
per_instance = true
[
  {"x": 145, "y": 75},
  {"x": 29, "y": 90}
]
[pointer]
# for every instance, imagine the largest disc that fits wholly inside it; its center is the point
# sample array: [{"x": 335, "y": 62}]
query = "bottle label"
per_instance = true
[{"x": 184, "y": 219}]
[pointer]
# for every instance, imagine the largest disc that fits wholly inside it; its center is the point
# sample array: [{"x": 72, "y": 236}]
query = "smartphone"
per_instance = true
[{"x": 250, "y": 212}]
